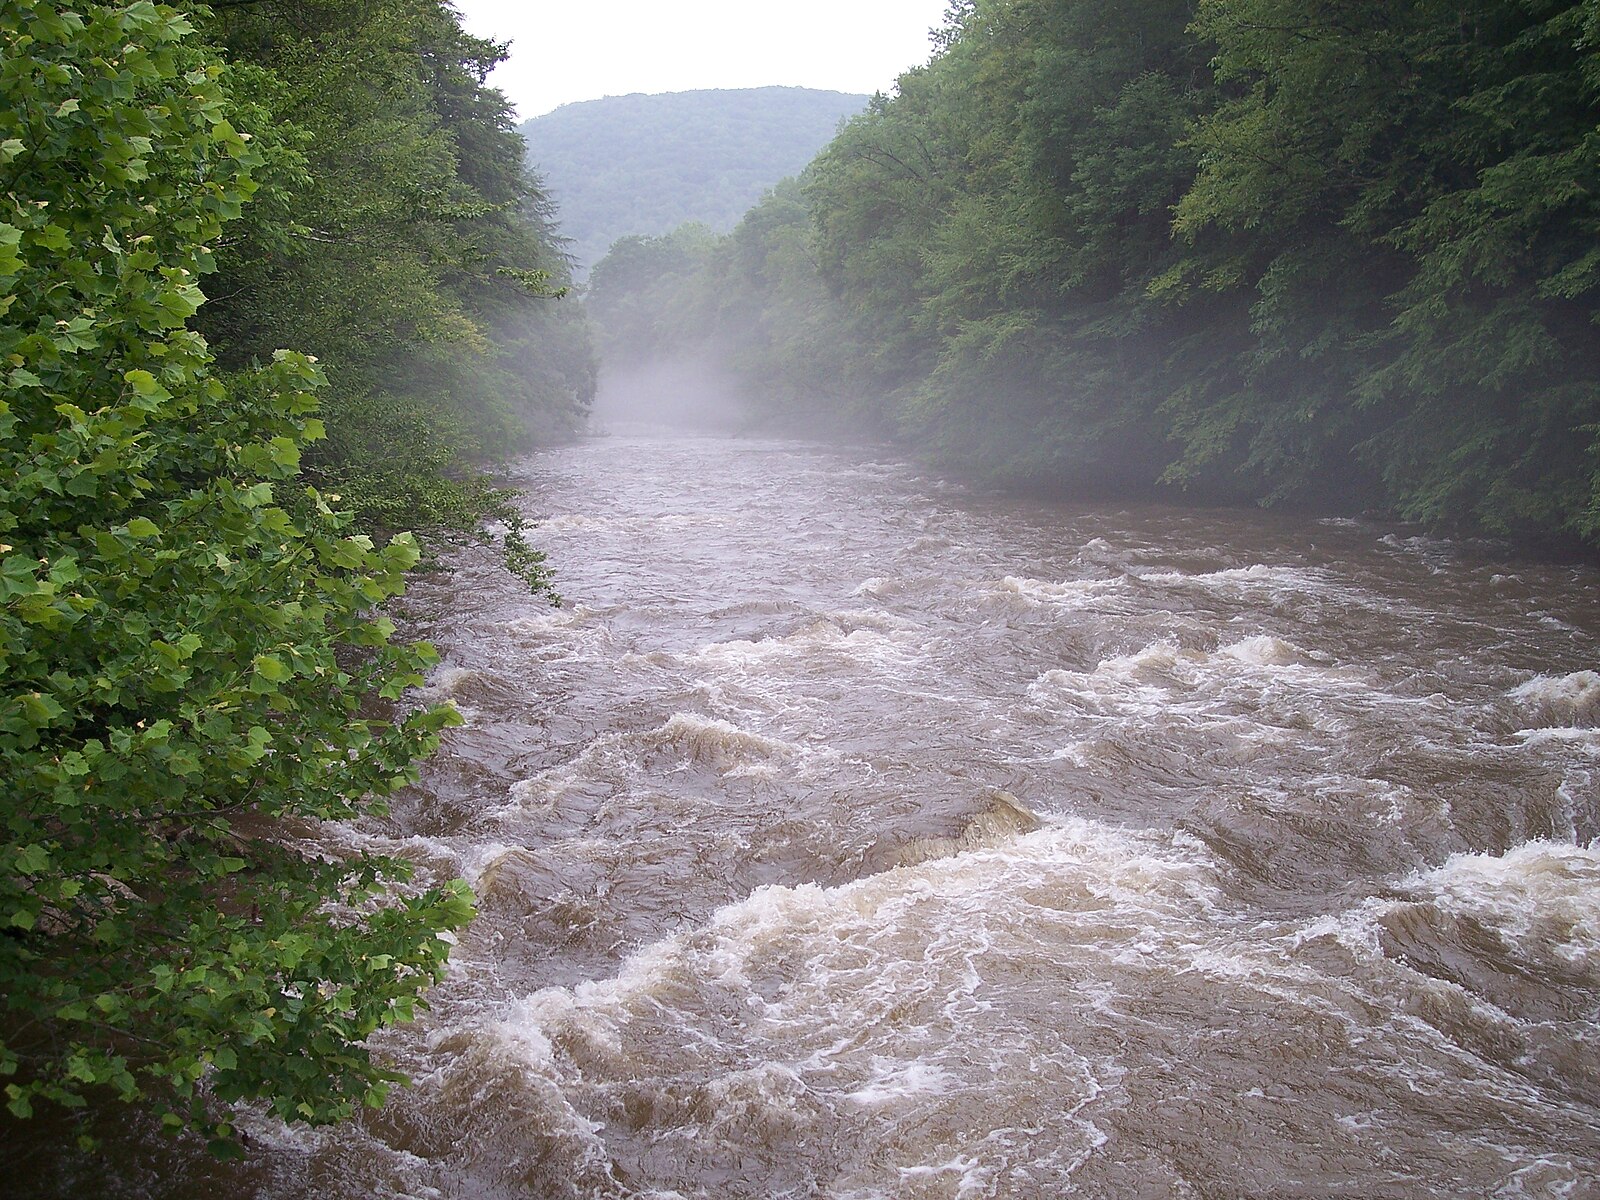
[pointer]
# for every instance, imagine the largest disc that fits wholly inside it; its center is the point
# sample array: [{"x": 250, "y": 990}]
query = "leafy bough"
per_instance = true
[{"x": 192, "y": 651}]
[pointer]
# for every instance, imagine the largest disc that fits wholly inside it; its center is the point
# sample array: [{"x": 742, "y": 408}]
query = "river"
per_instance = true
[{"x": 852, "y": 834}]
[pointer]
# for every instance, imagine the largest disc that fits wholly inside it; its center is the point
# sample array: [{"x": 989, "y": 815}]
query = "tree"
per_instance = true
[
  {"x": 190, "y": 653},
  {"x": 1335, "y": 253},
  {"x": 1418, "y": 184},
  {"x": 398, "y": 235}
]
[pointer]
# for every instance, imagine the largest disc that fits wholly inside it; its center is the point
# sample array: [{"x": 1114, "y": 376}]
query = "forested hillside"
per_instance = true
[
  {"x": 275, "y": 285},
  {"x": 1338, "y": 254},
  {"x": 647, "y": 164}
]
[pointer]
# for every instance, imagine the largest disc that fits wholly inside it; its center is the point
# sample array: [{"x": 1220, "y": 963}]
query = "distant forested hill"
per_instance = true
[{"x": 647, "y": 164}]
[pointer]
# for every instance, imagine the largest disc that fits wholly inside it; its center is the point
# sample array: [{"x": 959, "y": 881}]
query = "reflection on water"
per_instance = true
[{"x": 852, "y": 835}]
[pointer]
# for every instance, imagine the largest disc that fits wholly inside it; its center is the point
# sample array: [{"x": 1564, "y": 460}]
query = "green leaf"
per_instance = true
[
  {"x": 272, "y": 668},
  {"x": 144, "y": 384},
  {"x": 19, "y": 1102},
  {"x": 32, "y": 860}
]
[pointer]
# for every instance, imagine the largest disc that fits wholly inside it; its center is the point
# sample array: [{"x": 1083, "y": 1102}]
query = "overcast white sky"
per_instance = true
[{"x": 565, "y": 50}]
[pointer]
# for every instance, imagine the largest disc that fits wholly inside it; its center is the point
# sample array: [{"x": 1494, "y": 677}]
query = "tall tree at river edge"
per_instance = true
[{"x": 198, "y": 528}]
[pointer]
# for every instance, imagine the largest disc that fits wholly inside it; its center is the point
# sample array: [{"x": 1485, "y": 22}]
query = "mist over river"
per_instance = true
[{"x": 850, "y": 834}]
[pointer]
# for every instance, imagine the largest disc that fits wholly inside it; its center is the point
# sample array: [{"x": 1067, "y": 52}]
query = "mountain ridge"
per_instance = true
[{"x": 645, "y": 163}]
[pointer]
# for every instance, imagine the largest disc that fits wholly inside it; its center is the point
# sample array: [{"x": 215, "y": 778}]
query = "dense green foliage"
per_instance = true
[
  {"x": 1341, "y": 253},
  {"x": 644, "y": 294},
  {"x": 194, "y": 668},
  {"x": 397, "y": 236},
  {"x": 643, "y": 165}
]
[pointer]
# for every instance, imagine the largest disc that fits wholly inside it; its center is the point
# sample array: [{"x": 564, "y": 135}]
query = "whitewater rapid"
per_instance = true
[{"x": 850, "y": 834}]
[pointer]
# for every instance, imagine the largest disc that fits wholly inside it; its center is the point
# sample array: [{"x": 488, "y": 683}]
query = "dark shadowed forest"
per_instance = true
[{"x": 1338, "y": 255}]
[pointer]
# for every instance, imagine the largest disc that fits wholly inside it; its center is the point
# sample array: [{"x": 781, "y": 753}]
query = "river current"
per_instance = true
[{"x": 851, "y": 834}]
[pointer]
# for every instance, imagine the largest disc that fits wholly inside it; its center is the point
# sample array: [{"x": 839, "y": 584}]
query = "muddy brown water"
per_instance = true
[{"x": 853, "y": 835}]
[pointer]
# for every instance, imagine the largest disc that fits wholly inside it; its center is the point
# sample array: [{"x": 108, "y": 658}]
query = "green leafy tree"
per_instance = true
[
  {"x": 650, "y": 295},
  {"x": 190, "y": 651},
  {"x": 1412, "y": 191},
  {"x": 1334, "y": 253},
  {"x": 398, "y": 236}
]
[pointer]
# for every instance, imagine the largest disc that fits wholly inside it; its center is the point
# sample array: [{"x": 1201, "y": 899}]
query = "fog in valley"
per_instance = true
[
  {"x": 1034, "y": 636},
  {"x": 695, "y": 394}
]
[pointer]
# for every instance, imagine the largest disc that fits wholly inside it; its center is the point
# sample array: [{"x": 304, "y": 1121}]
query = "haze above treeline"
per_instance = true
[{"x": 572, "y": 53}]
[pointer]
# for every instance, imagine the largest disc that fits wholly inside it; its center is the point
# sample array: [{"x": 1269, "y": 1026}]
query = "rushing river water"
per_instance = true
[{"x": 852, "y": 835}]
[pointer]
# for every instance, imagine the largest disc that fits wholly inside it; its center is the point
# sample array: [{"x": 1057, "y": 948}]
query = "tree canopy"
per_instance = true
[
  {"x": 398, "y": 235},
  {"x": 1337, "y": 253},
  {"x": 199, "y": 529}
]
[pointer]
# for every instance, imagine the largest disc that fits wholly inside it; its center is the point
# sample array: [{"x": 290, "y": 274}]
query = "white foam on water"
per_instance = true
[
  {"x": 1542, "y": 899},
  {"x": 1542, "y": 895},
  {"x": 1136, "y": 684},
  {"x": 970, "y": 1179},
  {"x": 1531, "y": 891},
  {"x": 449, "y": 681},
  {"x": 688, "y": 520},
  {"x": 1158, "y": 658},
  {"x": 1563, "y": 735},
  {"x": 391, "y": 1172},
  {"x": 1240, "y": 581},
  {"x": 576, "y": 523},
  {"x": 1264, "y": 650},
  {"x": 1165, "y": 680},
  {"x": 1419, "y": 544},
  {"x": 624, "y": 526},
  {"x": 892, "y": 1081},
  {"x": 1562, "y": 700},
  {"x": 685, "y": 740},
  {"x": 1547, "y": 1177},
  {"x": 898, "y": 993},
  {"x": 482, "y": 857},
  {"x": 1070, "y": 593},
  {"x": 720, "y": 744},
  {"x": 511, "y": 1084},
  {"x": 538, "y": 624},
  {"x": 539, "y": 792},
  {"x": 1253, "y": 578},
  {"x": 872, "y": 618},
  {"x": 822, "y": 642},
  {"x": 1379, "y": 800}
]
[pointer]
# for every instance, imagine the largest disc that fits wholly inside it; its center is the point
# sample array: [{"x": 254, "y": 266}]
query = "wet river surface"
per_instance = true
[{"x": 850, "y": 834}]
